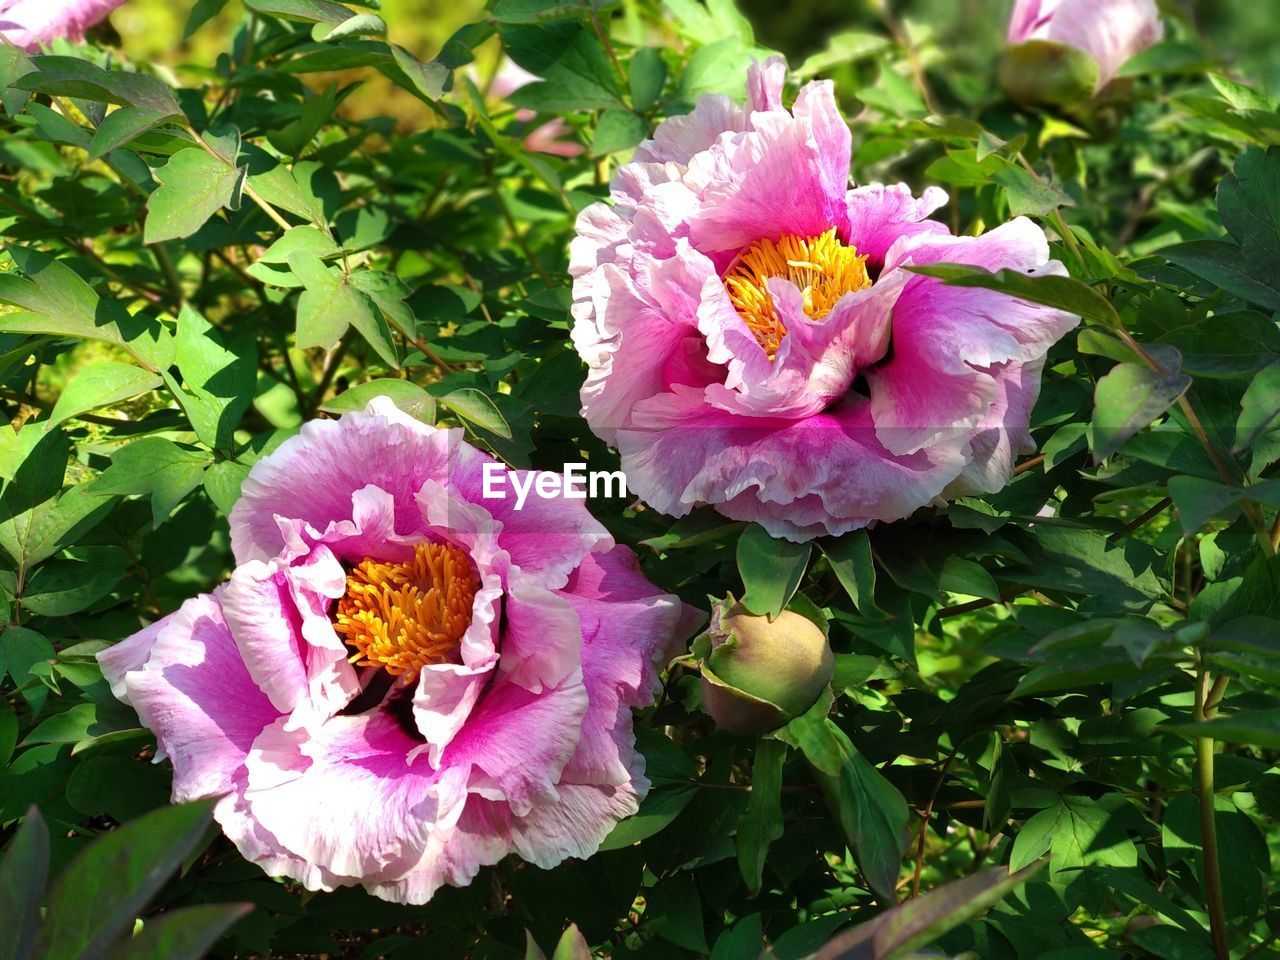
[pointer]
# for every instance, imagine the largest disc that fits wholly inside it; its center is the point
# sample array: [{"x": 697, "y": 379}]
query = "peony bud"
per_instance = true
[
  {"x": 1050, "y": 40},
  {"x": 756, "y": 674},
  {"x": 1044, "y": 72}
]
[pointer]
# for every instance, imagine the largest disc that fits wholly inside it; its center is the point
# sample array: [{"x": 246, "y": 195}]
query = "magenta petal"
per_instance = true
[
  {"x": 278, "y": 615},
  {"x": 817, "y": 360},
  {"x": 197, "y": 697},
  {"x": 934, "y": 390},
  {"x": 684, "y": 453},
  {"x": 313, "y": 476},
  {"x": 542, "y": 643},
  {"x": 1003, "y": 434},
  {"x": 443, "y": 700},
  {"x": 516, "y": 743},
  {"x": 344, "y": 794},
  {"x": 879, "y": 216},
  {"x": 629, "y": 631}
]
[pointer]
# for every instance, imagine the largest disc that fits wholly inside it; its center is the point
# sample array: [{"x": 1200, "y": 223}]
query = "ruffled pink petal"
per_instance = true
[
  {"x": 769, "y": 182},
  {"x": 542, "y": 643},
  {"x": 278, "y": 614},
  {"x": 259, "y": 845},
  {"x": 194, "y": 693},
  {"x": 880, "y": 215},
  {"x": 1003, "y": 434},
  {"x": 313, "y": 476},
  {"x": 516, "y": 743},
  {"x": 683, "y": 453},
  {"x": 629, "y": 631},
  {"x": 634, "y": 335},
  {"x": 545, "y": 536},
  {"x": 817, "y": 360},
  {"x": 933, "y": 389},
  {"x": 575, "y": 826},
  {"x": 31, "y": 23},
  {"x": 129, "y": 654},
  {"x": 453, "y": 856},
  {"x": 765, "y": 82},
  {"x": 443, "y": 699},
  {"x": 344, "y": 794}
]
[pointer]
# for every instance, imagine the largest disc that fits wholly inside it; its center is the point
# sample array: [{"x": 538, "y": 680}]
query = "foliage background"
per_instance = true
[{"x": 1010, "y": 686}]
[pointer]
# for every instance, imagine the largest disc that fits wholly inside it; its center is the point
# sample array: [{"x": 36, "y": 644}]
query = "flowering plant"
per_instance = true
[{"x": 518, "y": 478}]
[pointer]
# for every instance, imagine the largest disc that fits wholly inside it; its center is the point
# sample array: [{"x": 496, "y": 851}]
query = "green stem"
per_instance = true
[{"x": 1208, "y": 696}]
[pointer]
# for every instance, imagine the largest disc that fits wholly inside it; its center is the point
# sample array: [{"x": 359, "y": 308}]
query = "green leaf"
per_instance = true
[
  {"x": 74, "y": 582},
  {"x": 20, "y": 649},
  {"x": 1226, "y": 265},
  {"x": 850, "y": 46},
  {"x": 1129, "y": 398},
  {"x": 96, "y": 898},
  {"x": 647, "y": 74},
  {"x": 123, "y": 125},
  {"x": 1257, "y": 728},
  {"x": 1077, "y": 832},
  {"x": 408, "y": 396},
  {"x": 157, "y": 467},
  {"x": 618, "y": 130},
  {"x": 761, "y": 822},
  {"x": 870, "y": 810},
  {"x": 902, "y": 930},
  {"x": 84, "y": 721},
  {"x": 1063, "y": 293},
  {"x": 330, "y": 303},
  {"x": 103, "y": 383},
  {"x": 1249, "y": 202},
  {"x": 576, "y": 73},
  {"x": 1027, "y": 194},
  {"x": 23, "y": 873},
  {"x": 475, "y": 407},
  {"x": 219, "y": 378},
  {"x": 673, "y": 911},
  {"x": 201, "y": 13},
  {"x": 960, "y": 575},
  {"x": 1259, "y": 408},
  {"x": 185, "y": 934},
  {"x": 771, "y": 570},
  {"x": 76, "y": 77},
  {"x": 59, "y": 301},
  {"x": 1199, "y": 500},
  {"x": 359, "y": 25},
  {"x": 36, "y": 520},
  {"x": 194, "y": 185},
  {"x": 302, "y": 11},
  {"x": 851, "y": 561}
]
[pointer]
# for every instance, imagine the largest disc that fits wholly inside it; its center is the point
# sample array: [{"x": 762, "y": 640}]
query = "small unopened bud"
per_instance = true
[
  {"x": 1045, "y": 72},
  {"x": 757, "y": 675}
]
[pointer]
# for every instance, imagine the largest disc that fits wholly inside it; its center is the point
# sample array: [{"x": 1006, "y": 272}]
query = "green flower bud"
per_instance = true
[
  {"x": 1042, "y": 71},
  {"x": 757, "y": 675}
]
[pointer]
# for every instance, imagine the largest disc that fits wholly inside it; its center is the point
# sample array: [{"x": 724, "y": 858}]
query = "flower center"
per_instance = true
[
  {"x": 405, "y": 616},
  {"x": 822, "y": 267}
]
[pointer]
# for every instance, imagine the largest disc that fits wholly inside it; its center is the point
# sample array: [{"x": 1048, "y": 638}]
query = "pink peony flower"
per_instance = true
[
  {"x": 554, "y": 136},
  {"x": 403, "y": 681},
  {"x": 32, "y": 23},
  {"x": 754, "y": 343},
  {"x": 1110, "y": 31}
]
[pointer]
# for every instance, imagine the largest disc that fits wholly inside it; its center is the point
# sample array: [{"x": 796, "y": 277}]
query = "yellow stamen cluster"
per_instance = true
[
  {"x": 822, "y": 267},
  {"x": 404, "y": 616}
]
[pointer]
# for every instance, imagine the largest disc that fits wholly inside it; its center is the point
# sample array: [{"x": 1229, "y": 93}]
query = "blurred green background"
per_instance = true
[{"x": 1244, "y": 34}]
